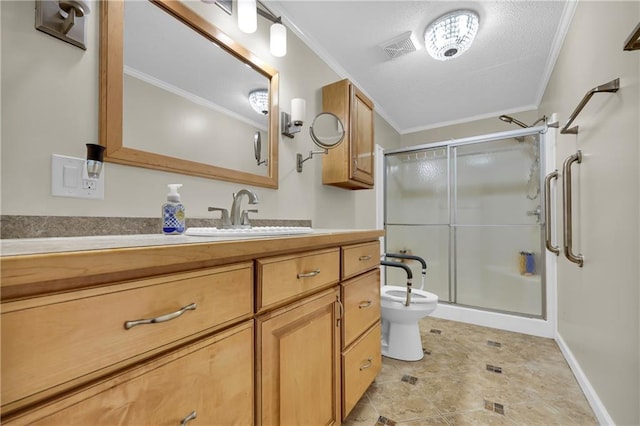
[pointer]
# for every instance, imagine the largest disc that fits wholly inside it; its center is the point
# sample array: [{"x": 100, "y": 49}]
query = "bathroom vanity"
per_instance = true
[{"x": 152, "y": 329}]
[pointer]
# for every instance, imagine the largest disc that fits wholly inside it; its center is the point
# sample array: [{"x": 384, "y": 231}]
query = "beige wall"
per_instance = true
[
  {"x": 50, "y": 105},
  {"x": 598, "y": 304}
]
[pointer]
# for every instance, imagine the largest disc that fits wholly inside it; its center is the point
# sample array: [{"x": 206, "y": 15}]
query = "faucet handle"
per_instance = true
[
  {"x": 224, "y": 215},
  {"x": 244, "y": 218}
]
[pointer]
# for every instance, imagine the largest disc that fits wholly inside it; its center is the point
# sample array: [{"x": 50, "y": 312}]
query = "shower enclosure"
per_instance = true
[{"x": 473, "y": 209}]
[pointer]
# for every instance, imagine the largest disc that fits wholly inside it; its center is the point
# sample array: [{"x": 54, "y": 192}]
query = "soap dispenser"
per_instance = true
[{"x": 173, "y": 217}]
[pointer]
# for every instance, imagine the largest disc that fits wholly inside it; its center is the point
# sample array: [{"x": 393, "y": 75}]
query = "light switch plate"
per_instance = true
[{"x": 69, "y": 179}]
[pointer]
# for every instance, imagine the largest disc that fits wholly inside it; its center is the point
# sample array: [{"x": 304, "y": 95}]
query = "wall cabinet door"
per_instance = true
[
  {"x": 299, "y": 363},
  {"x": 349, "y": 165}
]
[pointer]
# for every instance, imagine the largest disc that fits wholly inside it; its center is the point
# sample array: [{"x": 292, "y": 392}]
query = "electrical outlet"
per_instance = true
[{"x": 69, "y": 178}]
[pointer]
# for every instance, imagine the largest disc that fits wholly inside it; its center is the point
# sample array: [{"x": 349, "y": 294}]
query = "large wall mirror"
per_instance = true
[{"x": 174, "y": 95}]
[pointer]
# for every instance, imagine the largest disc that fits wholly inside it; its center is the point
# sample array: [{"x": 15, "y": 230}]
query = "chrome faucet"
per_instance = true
[{"x": 236, "y": 221}]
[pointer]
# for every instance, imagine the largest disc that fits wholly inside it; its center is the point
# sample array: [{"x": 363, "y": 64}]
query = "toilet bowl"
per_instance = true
[{"x": 400, "y": 330}]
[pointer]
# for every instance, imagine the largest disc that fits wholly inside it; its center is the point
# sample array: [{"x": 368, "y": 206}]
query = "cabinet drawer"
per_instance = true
[
  {"x": 361, "y": 299},
  {"x": 360, "y": 365},
  {"x": 84, "y": 331},
  {"x": 213, "y": 377},
  {"x": 359, "y": 258},
  {"x": 284, "y": 278}
]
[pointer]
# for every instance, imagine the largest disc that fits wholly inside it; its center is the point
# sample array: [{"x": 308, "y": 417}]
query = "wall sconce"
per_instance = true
[
  {"x": 291, "y": 124},
  {"x": 248, "y": 11},
  {"x": 63, "y": 19},
  {"x": 95, "y": 154}
]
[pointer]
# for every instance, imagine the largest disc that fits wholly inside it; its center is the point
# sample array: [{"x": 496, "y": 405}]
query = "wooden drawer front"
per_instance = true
[
  {"x": 214, "y": 378},
  {"x": 359, "y": 258},
  {"x": 360, "y": 365},
  {"x": 361, "y": 299},
  {"x": 84, "y": 331},
  {"x": 283, "y": 278}
]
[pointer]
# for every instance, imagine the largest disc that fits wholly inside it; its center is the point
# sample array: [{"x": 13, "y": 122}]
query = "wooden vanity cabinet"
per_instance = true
[
  {"x": 361, "y": 331},
  {"x": 350, "y": 165}
]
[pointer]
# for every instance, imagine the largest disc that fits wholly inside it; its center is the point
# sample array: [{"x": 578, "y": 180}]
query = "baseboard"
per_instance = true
[{"x": 594, "y": 401}]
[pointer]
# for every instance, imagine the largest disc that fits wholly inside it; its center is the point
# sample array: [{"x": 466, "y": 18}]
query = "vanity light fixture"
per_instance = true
[
  {"x": 247, "y": 16},
  {"x": 63, "y": 19},
  {"x": 259, "y": 101},
  {"x": 291, "y": 124},
  {"x": 451, "y": 35}
]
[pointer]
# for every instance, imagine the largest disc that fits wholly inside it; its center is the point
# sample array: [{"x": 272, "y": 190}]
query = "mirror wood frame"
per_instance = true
[{"x": 111, "y": 98}]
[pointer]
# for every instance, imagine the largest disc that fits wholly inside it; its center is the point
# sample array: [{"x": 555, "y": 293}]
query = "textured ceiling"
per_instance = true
[{"x": 505, "y": 70}]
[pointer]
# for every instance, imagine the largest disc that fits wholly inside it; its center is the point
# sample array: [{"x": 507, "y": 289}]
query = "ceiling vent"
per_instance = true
[{"x": 404, "y": 43}]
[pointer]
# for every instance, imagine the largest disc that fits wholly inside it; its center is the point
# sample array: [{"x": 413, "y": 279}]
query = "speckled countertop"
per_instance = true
[{"x": 25, "y": 246}]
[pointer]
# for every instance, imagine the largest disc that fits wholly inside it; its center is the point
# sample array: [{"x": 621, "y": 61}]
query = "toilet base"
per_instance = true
[{"x": 401, "y": 341}]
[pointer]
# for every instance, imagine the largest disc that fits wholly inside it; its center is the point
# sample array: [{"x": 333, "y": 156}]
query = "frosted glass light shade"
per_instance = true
[
  {"x": 278, "y": 40},
  {"x": 298, "y": 107},
  {"x": 259, "y": 100},
  {"x": 451, "y": 35},
  {"x": 247, "y": 16}
]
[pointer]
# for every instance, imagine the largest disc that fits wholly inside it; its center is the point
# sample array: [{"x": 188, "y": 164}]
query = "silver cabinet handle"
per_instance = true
[
  {"x": 368, "y": 363},
  {"x": 547, "y": 212},
  {"x": 308, "y": 274},
  {"x": 566, "y": 201},
  {"x": 364, "y": 304},
  {"x": 364, "y": 258},
  {"x": 191, "y": 416},
  {"x": 161, "y": 318},
  {"x": 341, "y": 311}
]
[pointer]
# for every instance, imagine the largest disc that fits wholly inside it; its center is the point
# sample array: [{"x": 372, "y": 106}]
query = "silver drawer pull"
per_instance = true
[
  {"x": 364, "y": 304},
  {"x": 309, "y": 274},
  {"x": 191, "y": 416},
  {"x": 366, "y": 365},
  {"x": 161, "y": 318},
  {"x": 364, "y": 258}
]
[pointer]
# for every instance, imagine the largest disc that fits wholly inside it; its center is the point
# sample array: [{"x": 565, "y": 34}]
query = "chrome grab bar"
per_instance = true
[
  {"x": 161, "y": 318},
  {"x": 547, "y": 212},
  {"x": 405, "y": 256},
  {"x": 610, "y": 87},
  {"x": 566, "y": 201}
]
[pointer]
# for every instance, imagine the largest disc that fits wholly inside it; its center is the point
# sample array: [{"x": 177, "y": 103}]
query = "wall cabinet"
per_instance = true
[
  {"x": 273, "y": 335},
  {"x": 351, "y": 164}
]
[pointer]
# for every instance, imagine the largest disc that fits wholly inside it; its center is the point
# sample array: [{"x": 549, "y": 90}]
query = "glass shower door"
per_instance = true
[
  {"x": 417, "y": 216},
  {"x": 497, "y": 225}
]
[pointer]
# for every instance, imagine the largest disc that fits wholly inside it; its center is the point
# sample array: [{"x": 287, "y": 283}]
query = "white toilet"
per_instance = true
[{"x": 400, "y": 330}]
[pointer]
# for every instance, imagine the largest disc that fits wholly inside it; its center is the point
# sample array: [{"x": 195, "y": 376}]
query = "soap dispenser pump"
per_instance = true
[{"x": 173, "y": 215}]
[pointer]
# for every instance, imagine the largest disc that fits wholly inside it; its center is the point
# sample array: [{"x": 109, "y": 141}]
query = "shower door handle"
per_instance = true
[
  {"x": 566, "y": 201},
  {"x": 547, "y": 212}
]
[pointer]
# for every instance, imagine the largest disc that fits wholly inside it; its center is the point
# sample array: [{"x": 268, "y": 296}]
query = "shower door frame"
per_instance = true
[{"x": 451, "y": 186}]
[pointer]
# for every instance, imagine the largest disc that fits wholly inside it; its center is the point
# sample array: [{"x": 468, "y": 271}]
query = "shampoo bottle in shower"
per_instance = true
[{"x": 173, "y": 217}]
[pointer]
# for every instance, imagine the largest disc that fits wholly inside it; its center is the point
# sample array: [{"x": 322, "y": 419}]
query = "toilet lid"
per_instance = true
[{"x": 399, "y": 294}]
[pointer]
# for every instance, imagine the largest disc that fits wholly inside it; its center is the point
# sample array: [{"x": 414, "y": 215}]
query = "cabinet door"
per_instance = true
[
  {"x": 299, "y": 363},
  {"x": 362, "y": 149},
  {"x": 213, "y": 378}
]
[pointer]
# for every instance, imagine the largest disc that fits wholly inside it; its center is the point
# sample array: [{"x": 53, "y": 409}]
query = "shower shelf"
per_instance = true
[{"x": 610, "y": 87}]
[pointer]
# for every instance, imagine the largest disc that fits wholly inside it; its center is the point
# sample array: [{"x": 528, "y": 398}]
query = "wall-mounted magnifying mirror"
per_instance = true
[
  {"x": 257, "y": 149},
  {"x": 327, "y": 131}
]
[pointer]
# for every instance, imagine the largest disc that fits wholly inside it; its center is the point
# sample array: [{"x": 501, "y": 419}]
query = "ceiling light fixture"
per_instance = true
[
  {"x": 259, "y": 101},
  {"x": 451, "y": 35}
]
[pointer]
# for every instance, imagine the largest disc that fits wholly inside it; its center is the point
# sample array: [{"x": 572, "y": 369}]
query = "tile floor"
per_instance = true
[{"x": 472, "y": 375}]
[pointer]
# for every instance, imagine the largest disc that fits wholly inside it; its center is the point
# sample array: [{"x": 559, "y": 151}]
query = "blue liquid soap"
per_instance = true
[{"x": 173, "y": 212}]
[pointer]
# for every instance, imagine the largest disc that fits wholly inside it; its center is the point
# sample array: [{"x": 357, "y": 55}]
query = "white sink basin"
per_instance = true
[{"x": 255, "y": 231}]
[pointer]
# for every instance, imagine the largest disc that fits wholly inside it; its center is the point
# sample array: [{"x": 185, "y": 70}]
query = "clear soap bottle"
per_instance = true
[{"x": 173, "y": 214}]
